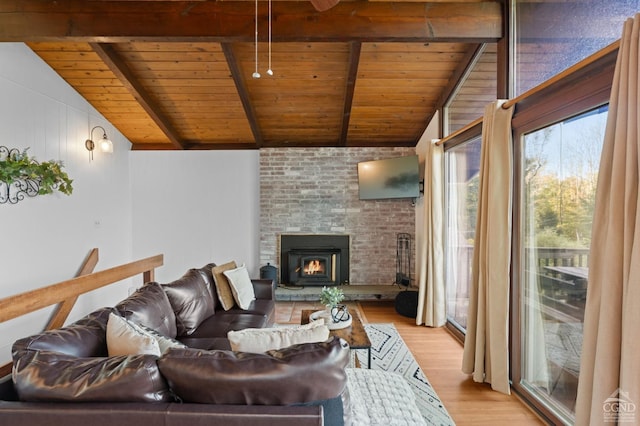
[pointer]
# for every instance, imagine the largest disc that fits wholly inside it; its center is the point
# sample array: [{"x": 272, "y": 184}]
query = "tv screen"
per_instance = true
[{"x": 389, "y": 178}]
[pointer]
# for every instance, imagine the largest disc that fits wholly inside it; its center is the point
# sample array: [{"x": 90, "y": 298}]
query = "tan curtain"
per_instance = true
[
  {"x": 486, "y": 347},
  {"x": 430, "y": 252},
  {"x": 610, "y": 364}
]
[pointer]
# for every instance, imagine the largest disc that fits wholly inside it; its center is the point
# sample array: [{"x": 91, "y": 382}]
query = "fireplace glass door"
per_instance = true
[{"x": 313, "y": 268}]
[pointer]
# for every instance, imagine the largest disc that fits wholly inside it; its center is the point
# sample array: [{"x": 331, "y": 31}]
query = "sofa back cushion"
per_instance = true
[
  {"x": 207, "y": 274},
  {"x": 55, "y": 377},
  {"x": 150, "y": 306},
  {"x": 294, "y": 375},
  {"x": 191, "y": 299},
  {"x": 84, "y": 338}
]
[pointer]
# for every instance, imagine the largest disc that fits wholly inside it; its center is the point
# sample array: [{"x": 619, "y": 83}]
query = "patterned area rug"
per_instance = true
[{"x": 390, "y": 353}]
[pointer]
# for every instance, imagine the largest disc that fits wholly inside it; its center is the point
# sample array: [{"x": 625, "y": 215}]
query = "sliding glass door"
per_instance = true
[
  {"x": 558, "y": 175},
  {"x": 462, "y": 164}
]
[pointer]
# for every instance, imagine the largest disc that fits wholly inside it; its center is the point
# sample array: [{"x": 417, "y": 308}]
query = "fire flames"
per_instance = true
[{"x": 313, "y": 267}]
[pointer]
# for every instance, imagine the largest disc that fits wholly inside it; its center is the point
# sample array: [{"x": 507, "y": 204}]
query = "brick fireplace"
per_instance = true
[{"x": 307, "y": 191}]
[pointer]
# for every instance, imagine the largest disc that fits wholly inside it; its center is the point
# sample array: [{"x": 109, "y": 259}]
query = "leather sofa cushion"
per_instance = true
[
  {"x": 207, "y": 343},
  {"x": 84, "y": 338},
  {"x": 297, "y": 374},
  {"x": 258, "y": 307},
  {"x": 207, "y": 274},
  {"x": 54, "y": 377},
  {"x": 150, "y": 306},
  {"x": 191, "y": 299},
  {"x": 223, "y": 322}
]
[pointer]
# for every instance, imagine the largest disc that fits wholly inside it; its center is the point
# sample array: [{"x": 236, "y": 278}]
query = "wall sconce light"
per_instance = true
[{"x": 105, "y": 144}]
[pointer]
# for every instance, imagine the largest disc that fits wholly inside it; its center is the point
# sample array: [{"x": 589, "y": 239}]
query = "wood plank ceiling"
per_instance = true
[{"x": 178, "y": 74}]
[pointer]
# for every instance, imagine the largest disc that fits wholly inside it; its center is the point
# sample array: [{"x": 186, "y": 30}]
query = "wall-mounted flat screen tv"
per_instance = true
[{"x": 389, "y": 178}]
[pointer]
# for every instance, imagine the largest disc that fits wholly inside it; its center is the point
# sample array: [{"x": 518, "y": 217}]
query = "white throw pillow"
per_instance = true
[
  {"x": 241, "y": 286},
  {"x": 165, "y": 343},
  {"x": 260, "y": 340},
  {"x": 124, "y": 339}
]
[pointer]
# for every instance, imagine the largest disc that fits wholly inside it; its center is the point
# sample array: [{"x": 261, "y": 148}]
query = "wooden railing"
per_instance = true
[
  {"x": 65, "y": 293},
  {"x": 545, "y": 256},
  {"x": 555, "y": 256}
]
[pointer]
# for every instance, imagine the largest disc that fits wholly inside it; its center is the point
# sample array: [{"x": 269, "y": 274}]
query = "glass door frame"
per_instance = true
[
  {"x": 577, "y": 91},
  {"x": 462, "y": 138}
]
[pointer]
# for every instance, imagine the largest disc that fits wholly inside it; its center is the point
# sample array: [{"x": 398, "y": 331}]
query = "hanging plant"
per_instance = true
[{"x": 21, "y": 175}]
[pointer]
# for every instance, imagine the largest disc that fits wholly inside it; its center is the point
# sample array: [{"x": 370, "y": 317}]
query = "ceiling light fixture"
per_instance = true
[
  {"x": 269, "y": 70},
  {"x": 256, "y": 74},
  {"x": 105, "y": 144}
]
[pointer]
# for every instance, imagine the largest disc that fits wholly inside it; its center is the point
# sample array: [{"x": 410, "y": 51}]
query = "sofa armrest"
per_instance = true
[{"x": 264, "y": 289}]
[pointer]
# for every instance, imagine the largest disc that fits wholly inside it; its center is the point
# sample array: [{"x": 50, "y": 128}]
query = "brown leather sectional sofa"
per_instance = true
[{"x": 65, "y": 376}]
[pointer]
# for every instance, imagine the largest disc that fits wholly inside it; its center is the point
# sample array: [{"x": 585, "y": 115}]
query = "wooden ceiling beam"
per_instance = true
[
  {"x": 195, "y": 146},
  {"x": 113, "y": 21},
  {"x": 124, "y": 74},
  {"x": 243, "y": 93},
  {"x": 152, "y": 147},
  {"x": 352, "y": 75}
]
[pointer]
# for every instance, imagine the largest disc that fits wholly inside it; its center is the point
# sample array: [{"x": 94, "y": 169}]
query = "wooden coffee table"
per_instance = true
[{"x": 355, "y": 335}]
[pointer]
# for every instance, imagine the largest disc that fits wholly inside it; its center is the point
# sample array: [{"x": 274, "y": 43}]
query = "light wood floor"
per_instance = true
[{"x": 440, "y": 357}]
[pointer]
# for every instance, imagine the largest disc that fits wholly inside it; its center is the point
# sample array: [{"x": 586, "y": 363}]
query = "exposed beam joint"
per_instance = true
[{"x": 124, "y": 74}]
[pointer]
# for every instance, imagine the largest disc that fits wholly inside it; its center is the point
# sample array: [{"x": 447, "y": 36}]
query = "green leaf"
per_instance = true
[{"x": 49, "y": 175}]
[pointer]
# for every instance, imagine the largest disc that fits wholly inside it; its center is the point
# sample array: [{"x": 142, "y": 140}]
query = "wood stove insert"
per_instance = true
[{"x": 314, "y": 259}]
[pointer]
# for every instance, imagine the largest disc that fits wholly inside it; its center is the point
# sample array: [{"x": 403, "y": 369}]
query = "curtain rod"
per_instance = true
[
  {"x": 508, "y": 104},
  {"x": 459, "y": 131}
]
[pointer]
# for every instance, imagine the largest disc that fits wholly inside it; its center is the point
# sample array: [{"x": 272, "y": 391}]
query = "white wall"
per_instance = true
[
  {"x": 196, "y": 207},
  {"x": 45, "y": 239}
]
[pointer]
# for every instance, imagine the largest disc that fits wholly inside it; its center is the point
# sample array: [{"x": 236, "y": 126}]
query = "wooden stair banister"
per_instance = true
[
  {"x": 61, "y": 312},
  {"x": 67, "y": 292},
  {"x": 24, "y": 303}
]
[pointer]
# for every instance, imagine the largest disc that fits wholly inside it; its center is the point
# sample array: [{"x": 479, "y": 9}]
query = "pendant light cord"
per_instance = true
[
  {"x": 256, "y": 74},
  {"x": 270, "y": 71}
]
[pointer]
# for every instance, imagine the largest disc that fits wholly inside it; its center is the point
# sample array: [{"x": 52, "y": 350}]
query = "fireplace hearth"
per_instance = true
[{"x": 314, "y": 259}]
